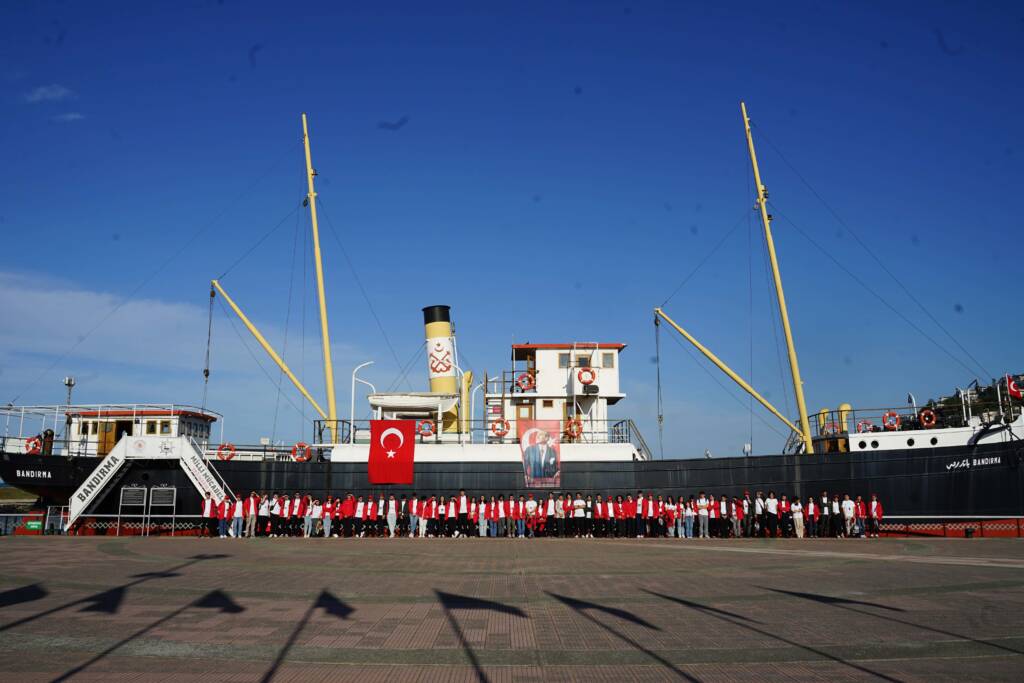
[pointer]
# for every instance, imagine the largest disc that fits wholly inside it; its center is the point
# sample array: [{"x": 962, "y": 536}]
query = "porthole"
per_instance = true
[
  {"x": 874, "y": 444},
  {"x": 862, "y": 444},
  {"x": 935, "y": 441},
  {"x": 910, "y": 442}
]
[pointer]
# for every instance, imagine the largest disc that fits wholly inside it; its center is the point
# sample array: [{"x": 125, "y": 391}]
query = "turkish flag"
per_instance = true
[
  {"x": 392, "y": 446},
  {"x": 1012, "y": 388}
]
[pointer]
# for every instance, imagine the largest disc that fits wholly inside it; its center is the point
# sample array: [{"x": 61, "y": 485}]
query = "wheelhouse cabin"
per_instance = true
[
  {"x": 572, "y": 383},
  {"x": 95, "y": 431}
]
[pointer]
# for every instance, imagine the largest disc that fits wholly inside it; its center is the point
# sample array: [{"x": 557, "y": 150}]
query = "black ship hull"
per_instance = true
[{"x": 942, "y": 482}]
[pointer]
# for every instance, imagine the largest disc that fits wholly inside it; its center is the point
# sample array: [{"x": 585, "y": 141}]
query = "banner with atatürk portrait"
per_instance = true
[{"x": 542, "y": 461}]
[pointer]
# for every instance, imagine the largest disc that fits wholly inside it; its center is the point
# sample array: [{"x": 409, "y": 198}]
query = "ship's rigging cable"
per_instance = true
[
  {"x": 724, "y": 388},
  {"x": 230, "y": 316},
  {"x": 209, "y": 339},
  {"x": 260, "y": 241},
  {"x": 362, "y": 289},
  {"x": 874, "y": 257},
  {"x": 185, "y": 246},
  {"x": 420, "y": 350},
  {"x": 287, "y": 321},
  {"x": 750, "y": 305},
  {"x": 657, "y": 365},
  {"x": 776, "y": 324},
  {"x": 704, "y": 260},
  {"x": 871, "y": 291}
]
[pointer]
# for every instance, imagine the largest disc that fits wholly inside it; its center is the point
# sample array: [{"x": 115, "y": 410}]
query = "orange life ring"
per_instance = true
[
  {"x": 33, "y": 446},
  {"x": 928, "y": 418},
  {"x": 525, "y": 381},
  {"x": 573, "y": 428},
  {"x": 891, "y": 420},
  {"x": 591, "y": 374},
  {"x": 301, "y": 452},
  {"x": 226, "y": 451},
  {"x": 500, "y": 428},
  {"x": 864, "y": 426},
  {"x": 425, "y": 428}
]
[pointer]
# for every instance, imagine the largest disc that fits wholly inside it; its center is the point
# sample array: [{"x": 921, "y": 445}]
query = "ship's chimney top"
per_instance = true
[{"x": 437, "y": 314}]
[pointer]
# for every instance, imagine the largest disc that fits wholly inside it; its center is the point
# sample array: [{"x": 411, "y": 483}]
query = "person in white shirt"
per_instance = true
[
  {"x": 549, "y": 512},
  {"x": 771, "y": 514},
  {"x": 676, "y": 520},
  {"x": 812, "y": 523},
  {"x": 848, "y": 515},
  {"x": 236, "y": 518},
  {"x": 688, "y": 511},
  {"x": 360, "y": 511},
  {"x": 481, "y": 517},
  {"x": 579, "y": 516},
  {"x": 797, "y": 510},
  {"x": 392, "y": 515},
  {"x": 836, "y": 515},
  {"x": 209, "y": 515},
  {"x": 263, "y": 521},
  {"x": 317, "y": 514},
  {"x": 760, "y": 525},
  {"x": 531, "y": 512},
  {"x": 463, "y": 513},
  {"x": 702, "y": 515},
  {"x": 276, "y": 508}
]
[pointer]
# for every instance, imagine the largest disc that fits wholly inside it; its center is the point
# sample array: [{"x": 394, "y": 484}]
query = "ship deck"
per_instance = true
[{"x": 191, "y": 609}]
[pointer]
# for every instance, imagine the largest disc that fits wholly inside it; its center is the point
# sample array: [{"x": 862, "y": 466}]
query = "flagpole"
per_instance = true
[{"x": 999, "y": 398}]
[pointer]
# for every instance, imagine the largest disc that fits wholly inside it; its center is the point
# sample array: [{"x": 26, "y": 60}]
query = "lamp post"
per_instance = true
[
  {"x": 69, "y": 382},
  {"x": 352, "y": 405}
]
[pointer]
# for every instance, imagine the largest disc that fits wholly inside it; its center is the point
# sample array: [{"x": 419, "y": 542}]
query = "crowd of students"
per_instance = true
[{"x": 557, "y": 515}]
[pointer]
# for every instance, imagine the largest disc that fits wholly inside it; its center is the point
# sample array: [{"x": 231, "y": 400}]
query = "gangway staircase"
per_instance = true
[{"x": 110, "y": 469}]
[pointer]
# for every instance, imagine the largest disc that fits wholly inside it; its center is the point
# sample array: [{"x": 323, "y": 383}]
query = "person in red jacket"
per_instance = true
[
  {"x": 224, "y": 509},
  {"x": 598, "y": 528},
  {"x": 874, "y": 513},
  {"x": 860, "y": 516},
  {"x": 327, "y": 515}
]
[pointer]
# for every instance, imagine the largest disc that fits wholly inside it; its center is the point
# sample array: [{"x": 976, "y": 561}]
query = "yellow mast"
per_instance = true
[
  {"x": 266, "y": 347},
  {"x": 762, "y": 195},
  {"x": 726, "y": 369},
  {"x": 332, "y": 407}
]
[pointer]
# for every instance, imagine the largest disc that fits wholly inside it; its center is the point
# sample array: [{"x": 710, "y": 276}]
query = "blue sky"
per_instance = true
[{"x": 560, "y": 169}]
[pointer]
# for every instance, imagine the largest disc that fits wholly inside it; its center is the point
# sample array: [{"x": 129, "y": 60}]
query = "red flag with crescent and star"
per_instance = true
[
  {"x": 392, "y": 449},
  {"x": 1013, "y": 388}
]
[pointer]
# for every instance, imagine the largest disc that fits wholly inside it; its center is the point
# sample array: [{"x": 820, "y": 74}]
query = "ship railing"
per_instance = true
[
  {"x": 493, "y": 431},
  {"x": 932, "y": 415},
  {"x": 54, "y": 421}
]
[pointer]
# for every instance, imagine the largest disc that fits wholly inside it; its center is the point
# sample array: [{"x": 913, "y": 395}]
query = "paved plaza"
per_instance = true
[{"x": 187, "y": 609}]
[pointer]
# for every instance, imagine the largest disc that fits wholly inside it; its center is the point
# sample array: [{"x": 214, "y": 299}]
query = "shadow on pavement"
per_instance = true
[
  {"x": 212, "y": 600},
  {"x": 325, "y": 601},
  {"x": 109, "y": 601},
  {"x": 451, "y": 602},
  {"x": 741, "y": 622},
  {"x": 831, "y": 600},
  {"x": 581, "y": 607},
  {"x": 845, "y": 605},
  {"x": 17, "y": 596}
]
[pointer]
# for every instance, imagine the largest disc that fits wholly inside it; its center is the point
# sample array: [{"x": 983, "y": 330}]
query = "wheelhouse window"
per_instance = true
[
  {"x": 83, "y": 428},
  {"x": 607, "y": 360},
  {"x": 151, "y": 426},
  {"x": 583, "y": 361},
  {"x": 563, "y": 360},
  {"x": 95, "y": 427},
  {"x": 165, "y": 427}
]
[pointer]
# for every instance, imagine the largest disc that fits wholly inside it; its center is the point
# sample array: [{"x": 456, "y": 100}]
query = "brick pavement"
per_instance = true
[{"x": 509, "y": 610}]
